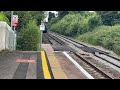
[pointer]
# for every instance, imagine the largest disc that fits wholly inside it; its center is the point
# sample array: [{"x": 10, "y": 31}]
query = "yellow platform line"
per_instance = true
[
  {"x": 56, "y": 68},
  {"x": 45, "y": 66}
]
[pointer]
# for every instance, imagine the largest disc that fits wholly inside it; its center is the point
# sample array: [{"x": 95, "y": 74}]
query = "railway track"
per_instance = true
[
  {"x": 57, "y": 40},
  {"x": 46, "y": 39},
  {"x": 57, "y": 44},
  {"x": 95, "y": 68},
  {"x": 80, "y": 45},
  {"x": 96, "y": 52}
]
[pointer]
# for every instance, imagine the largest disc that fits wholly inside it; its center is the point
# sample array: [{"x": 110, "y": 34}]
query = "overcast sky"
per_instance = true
[{"x": 53, "y": 12}]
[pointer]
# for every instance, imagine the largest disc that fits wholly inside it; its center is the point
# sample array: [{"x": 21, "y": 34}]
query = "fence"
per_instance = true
[{"x": 7, "y": 37}]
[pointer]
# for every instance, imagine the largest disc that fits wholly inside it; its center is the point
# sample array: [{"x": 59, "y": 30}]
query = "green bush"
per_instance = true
[
  {"x": 106, "y": 36},
  {"x": 116, "y": 48},
  {"x": 94, "y": 22},
  {"x": 76, "y": 23},
  {"x": 109, "y": 18},
  {"x": 4, "y": 18},
  {"x": 53, "y": 21},
  {"x": 30, "y": 37},
  {"x": 86, "y": 27}
]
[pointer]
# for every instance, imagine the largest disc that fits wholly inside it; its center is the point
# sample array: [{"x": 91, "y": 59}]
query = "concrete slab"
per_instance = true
[
  {"x": 31, "y": 72},
  {"x": 10, "y": 69}
]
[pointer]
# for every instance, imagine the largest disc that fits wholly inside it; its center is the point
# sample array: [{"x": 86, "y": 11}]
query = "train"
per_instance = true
[{"x": 46, "y": 28}]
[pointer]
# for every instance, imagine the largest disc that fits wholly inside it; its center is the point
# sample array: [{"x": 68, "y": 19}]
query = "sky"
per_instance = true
[{"x": 53, "y": 12}]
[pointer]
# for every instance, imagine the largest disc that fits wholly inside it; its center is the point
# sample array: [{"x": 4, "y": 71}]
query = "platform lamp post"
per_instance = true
[
  {"x": 42, "y": 28},
  {"x": 11, "y": 18},
  {"x": 14, "y": 23}
]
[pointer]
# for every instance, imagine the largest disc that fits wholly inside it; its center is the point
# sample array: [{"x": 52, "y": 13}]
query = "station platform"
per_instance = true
[
  {"x": 61, "y": 66},
  {"x": 54, "y": 63},
  {"x": 24, "y": 65},
  {"x": 47, "y": 64}
]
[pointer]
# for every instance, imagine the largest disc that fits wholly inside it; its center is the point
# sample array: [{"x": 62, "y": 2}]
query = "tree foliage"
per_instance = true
[
  {"x": 110, "y": 17},
  {"x": 51, "y": 15},
  {"x": 29, "y": 37},
  {"x": 98, "y": 28},
  {"x": 106, "y": 36},
  {"x": 26, "y": 16},
  {"x": 38, "y": 15},
  {"x": 61, "y": 14},
  {"x": 4, "y": 18},
  {"x": 74, "y": 24}
]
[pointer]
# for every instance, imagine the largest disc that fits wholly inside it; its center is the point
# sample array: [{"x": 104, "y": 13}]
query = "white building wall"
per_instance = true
[{"x": 6, "y": 37}]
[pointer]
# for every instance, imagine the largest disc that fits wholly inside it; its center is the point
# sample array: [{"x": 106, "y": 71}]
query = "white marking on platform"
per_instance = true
[{"x": 78, "y": 66}]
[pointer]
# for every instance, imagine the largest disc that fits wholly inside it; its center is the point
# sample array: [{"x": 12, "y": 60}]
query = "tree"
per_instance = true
[
  {"x": 7, "y": 14},
  {"x": 38, "y": 15},
  {"x": 51, "y": 15},
  {"x": 94, "y": 22},
  {"x": 75, "y": 23},
  {"x": 26, "y": 16},
  {"x": 53, "y": 21},
  {"x": 4, "y": 18},
  {"x": 61, "y": 14},
  {"x": 23, "y": 20},
  {"x": 110, "y": 17},
  {"x": 29, "y": 37},
  {"x": 75, "y": 12}
]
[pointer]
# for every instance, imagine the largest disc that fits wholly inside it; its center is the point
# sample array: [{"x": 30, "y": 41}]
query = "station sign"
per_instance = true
[
  {"x": 42, "y": 27},
  {"x": 15, "y": 20}
]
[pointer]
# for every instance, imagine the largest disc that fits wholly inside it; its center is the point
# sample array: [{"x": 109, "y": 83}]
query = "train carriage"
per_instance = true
[{"x": 46, "y": 28}]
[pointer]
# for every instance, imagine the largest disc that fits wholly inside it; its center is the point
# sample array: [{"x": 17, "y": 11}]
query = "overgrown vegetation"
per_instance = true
[
  {"x": 110, "y": 17},
  {"x": 106, "y": 36},
  {"x": 4, "y": 18},
  {"x": 98, "y": 28},
  {"x": 25, "y": 16},
  {"x": 29, "y": 37},
  {"x": 76, "y": 23}
]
